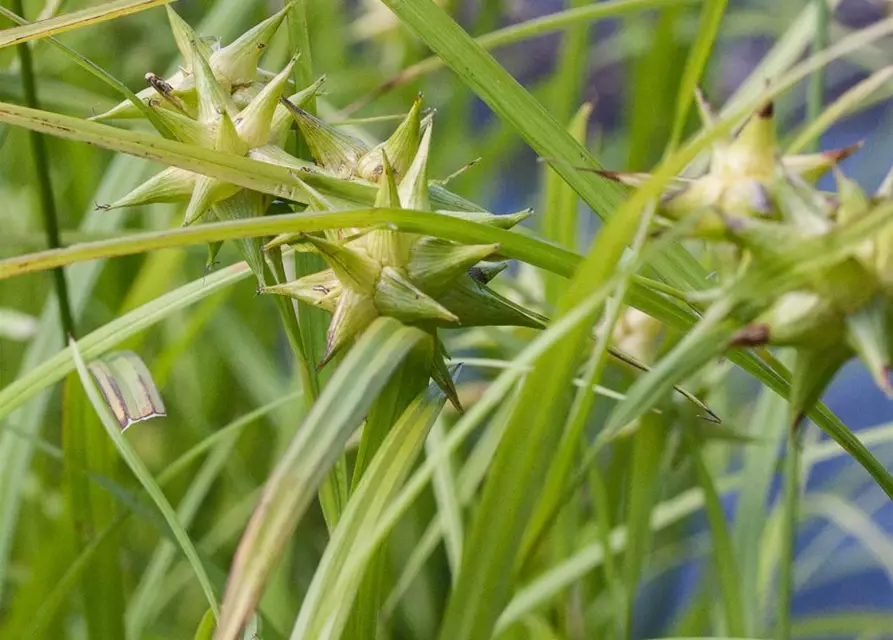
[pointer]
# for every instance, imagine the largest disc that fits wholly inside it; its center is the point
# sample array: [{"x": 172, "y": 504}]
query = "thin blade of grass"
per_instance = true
[
  {"x": 559, "y": 220},
  {"x": 446, "y": 494},
  {"x": 553, "y": 581},
  {"x": 769, "y": 422},
  {"x": 518, "y": 33},
  {"x": 110, "y": 335},
  {"x": 846, "y": 104},
  {"x": 302, "y": 468},
  {"x": 723, "y": 555},
  {"x": 712, "y": 13},
  {"x": 138, "y": 467},
  {"x": 98, "y": 72},
  {"x": 92, "y": 511},
  {"x": 339, "y": 574},
  {"x": 643, "y": 491},
  {"x": 76, "y": 20}
]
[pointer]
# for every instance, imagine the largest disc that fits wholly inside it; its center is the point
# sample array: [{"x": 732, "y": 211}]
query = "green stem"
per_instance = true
[
  {"x": 789, "y": 536},
  {"x": 816, "y": 96},
  {"x": 45, "y": 186}
]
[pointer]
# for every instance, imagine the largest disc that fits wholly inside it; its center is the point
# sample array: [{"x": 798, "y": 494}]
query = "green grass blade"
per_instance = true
[
  {"x": 16, "y": 452},
  {"x": 769, "y": 423},
  {"x": 448, "y": 501},
  {"x": 643, "y": 489},
  {"x": 790, "y": 520},
  {"x": 92, "y": 511},
  {"x": 553, "y": 581},
  {"x": 408, "y": 380},
  {"x": 847, "y": 103},
  {"x": 110, "y": 335},
  {"x": 559, "y": 220},
  {"x": 712, "y": 13},
  {"x": 306, "y": 462},
  {"x": 76, "y": 20},
  {"x": 138, "y": 467},
  {"x": 44, "y": 181},
  {"x": 723, "y": 554},
  {"x": 340, "y": 572},
  {"x": 98, "y": 72},
  {"x": 524, "y": 31}
]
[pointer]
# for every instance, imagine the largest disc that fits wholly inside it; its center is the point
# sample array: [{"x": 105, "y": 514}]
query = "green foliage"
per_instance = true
[{"x": 305, "y": 459}]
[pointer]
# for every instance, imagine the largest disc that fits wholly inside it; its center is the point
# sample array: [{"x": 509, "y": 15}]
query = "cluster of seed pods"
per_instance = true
[
  {"x": 764, "y": 206},
  {"x": 220, "y": 99}
]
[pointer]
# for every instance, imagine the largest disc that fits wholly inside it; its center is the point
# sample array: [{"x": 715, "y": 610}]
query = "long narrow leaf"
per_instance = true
[
  {"x": 310, "y": 455},
  {"x": 145, "y": 478},
  {"x": 76, "y": 20}
]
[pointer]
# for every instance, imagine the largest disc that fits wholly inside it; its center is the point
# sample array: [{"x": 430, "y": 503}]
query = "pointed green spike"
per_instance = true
[
  {"x": 476, "y": 305},
  {"x": 484, "y": 272},
  {"x": 853, "y": 200},
  {"x": 184, "y": 128},
  {"x": 184, "y": 36},
  {"x": 207, "y": 191},
  {"x": 414, "y": 186},
  {"x": 171, "y": 185},
  {"x": 355, "y": 312},
  {"x": 443, "y": 377},
  {"x": 866, "y": 333},
  {"x": 245, "y": 204},
  {"x": 811, "y": 166},
  {"x": 320, "y": 289},
  {"x": 228, "y": 139},
  {"x": 753, "y": 151},
  {"x": 282, "y": 118},
  {"x": 705, "y": 109},
  {"x": 315, "y": 202},
  {"x": 500, "y": 221},
  {"x": 254, "y": 121},
  {"x": 356, "y": 270},
  {"x": 329, "y": 146},
  {"x": 213, "y": 97},
  {"x": 813, "y": 371},
  {"x": 886, "y": 188},
  {"x": 400, "y": 148},
  {"x": 387, "y": 196},
  {"x": 397, "y": 297},
  {"x": 435, "y": 264},
  {"x": 213, "y": 251},
  {"x": 236, "y": 63},
  {"x": 388, "y": 247},
  {"x": 272, "y": 154}
]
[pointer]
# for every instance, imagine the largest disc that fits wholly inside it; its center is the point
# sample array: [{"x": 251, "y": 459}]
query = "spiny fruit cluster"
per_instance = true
[
  {"x": 221, "y": 100},
  {"x": 766, "y": 207}
]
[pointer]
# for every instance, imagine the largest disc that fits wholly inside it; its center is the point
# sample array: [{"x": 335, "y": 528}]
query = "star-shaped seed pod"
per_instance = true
[
  {"x": 257, "y": 130},
  {"x": 845, "y": 308},
  {"x": 423, "y": 281},
  {"x": 234, "y": 66},
  {"x": 742, "y": 180}
]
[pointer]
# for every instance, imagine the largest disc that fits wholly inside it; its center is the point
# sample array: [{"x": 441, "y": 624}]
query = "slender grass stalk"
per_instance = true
[
  {"x": 45, "y": 185},
  {"x": 789, "y": 537},
  {"x": 816, "y": 97}
]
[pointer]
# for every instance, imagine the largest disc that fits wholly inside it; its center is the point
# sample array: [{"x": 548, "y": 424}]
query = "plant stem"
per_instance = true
[
  {"x": 816, "y": 97},
  {"x": 45, "y": 186},
  {"x": 789, "y": 536}
]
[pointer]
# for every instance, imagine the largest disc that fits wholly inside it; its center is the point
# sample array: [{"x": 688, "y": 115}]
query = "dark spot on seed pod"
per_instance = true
[
  {"x": 753, "y": 335},
  {"x": 767, "y": 111}
]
